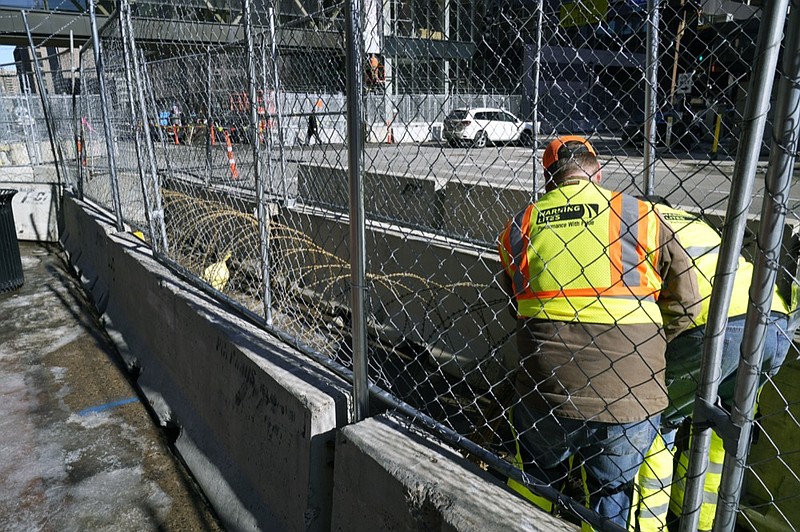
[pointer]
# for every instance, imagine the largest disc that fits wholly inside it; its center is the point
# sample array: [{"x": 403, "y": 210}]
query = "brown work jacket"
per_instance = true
[{"x": 602, "y": 372}]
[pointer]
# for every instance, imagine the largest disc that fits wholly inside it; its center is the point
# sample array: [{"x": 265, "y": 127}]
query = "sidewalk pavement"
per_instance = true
[{"x": 78, "y": 450}]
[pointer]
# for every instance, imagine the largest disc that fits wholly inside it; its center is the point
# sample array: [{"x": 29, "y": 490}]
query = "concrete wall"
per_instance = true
[
  {"x": 440, "y": 491},
  {"x": 35, "y": 207},
  {"x": 457, "y": 311},
  {"x": 468, "y": 212},
  {"x": 256, "y": 422}
]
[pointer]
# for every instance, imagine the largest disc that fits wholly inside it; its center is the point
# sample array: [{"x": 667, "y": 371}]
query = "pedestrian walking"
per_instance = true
[{"x": 313, "y": 128}]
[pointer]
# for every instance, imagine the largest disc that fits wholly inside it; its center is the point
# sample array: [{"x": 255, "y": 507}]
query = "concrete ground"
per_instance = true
[{"x": 78, "y": 450}]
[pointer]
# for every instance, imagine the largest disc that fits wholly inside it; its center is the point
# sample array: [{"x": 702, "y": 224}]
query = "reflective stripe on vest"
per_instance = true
[
  {"x": 520, "y": 488},
  {"x": 716, "y": 458},
  {"x": 584, "y": 254},
  {"x": 654, "y": 480},
  {"x": 539, "y": 501}
]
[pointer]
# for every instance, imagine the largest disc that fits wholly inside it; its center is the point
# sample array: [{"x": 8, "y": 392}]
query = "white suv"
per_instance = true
[{"x": 481, "y": 125}]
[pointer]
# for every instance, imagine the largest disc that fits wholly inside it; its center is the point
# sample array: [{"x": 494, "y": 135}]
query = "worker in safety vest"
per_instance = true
[
  {"x": 586, "y": 270},
  {"x": 684, "y": 355}
]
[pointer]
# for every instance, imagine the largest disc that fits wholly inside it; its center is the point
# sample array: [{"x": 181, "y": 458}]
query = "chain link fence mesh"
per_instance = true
[
  {"x": 18, "y": 121},
  {"x": 239, "y": 176}
]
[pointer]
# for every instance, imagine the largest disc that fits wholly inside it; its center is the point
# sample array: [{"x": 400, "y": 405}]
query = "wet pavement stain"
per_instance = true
[{"x": 78, "y": 449}]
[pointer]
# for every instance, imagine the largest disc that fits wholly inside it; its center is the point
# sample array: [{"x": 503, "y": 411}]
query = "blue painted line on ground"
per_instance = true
[{"x": 107, "y": 406}]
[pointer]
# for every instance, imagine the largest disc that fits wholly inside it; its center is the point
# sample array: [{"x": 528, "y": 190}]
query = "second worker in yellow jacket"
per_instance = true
[{"x": 659, "y": 486}]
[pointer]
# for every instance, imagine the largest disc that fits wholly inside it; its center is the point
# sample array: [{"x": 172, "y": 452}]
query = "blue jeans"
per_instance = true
[
  {"x": 684, "y": 355},
  {"x": 611, "y": 455}
]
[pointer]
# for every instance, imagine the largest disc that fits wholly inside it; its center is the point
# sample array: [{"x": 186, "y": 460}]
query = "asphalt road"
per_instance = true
[{"x": 691, "y": 180}]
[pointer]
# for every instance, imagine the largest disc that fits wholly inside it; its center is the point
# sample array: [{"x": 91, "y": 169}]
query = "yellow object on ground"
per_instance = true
[
  {"x": 139, "y": 235},
  {"x": 217, "y": 274}
]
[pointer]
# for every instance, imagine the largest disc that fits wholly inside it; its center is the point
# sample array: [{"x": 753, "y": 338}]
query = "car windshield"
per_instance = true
[{"x": 458, "y": 114}]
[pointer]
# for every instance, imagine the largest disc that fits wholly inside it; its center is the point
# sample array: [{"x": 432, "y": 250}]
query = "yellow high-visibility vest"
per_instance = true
[
  {"x": 701, "y": 242},
  {"x": 585, "y": 254}
]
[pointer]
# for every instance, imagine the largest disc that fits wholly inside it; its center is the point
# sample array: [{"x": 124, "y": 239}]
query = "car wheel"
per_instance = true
[
  {"x": 480, "y": 140},
  {"x": 526, "y": 138}
]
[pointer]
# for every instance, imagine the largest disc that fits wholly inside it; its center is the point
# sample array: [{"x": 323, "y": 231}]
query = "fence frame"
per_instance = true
[
  {"x": 735, "y": 431},
  {"x": 773, "y": 216},
  {"x": 705, "y": 411}
]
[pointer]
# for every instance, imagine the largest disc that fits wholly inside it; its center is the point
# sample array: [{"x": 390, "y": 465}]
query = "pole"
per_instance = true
[
  {"x": 82, "y": 155},
  {"x": 717, "y": 129},
  {"x": 651, "y": 86},
  {"x": 75, "y": 128},
  {"x": 675, "y": 66},
  {"x": 45, "y": 102},
  {"x": 355, "y": 151},
  {"x": 677, "y": 54},
  {"x": 209, "y": 117},
  {"x": 109, "y": 134},
  {"x": 157, "y": 210},
  {"x": 773, "y": 216},
  {"x": 73, "y": 99},
  {"x": 537, "y": 64},
  {"x": 148, "y": 204},
  {"x": 262, "y": 213},
  {"x": 149, "y": 87},
  {"x": 33, "y": 146},
  {"x": 267, "y": 117},
  {"x": 278, "y": 107},
  {"x": 767, "y": 48}
]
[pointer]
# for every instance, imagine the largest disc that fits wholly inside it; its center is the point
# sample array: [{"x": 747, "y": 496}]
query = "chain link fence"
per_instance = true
[
  {"x": 241, "y": 141},
  {"x": 26, "y": 148}
]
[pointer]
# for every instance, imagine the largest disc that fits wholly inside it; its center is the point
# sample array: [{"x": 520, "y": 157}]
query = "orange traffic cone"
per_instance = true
[
  {"x": 231, "y": 158},
  {"x": 389, "y": 133},
  {"x": 81, "y": 153}
]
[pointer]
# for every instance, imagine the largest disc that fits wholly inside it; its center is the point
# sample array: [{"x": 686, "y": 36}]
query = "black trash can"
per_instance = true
[{"x": 11, "y": 276}]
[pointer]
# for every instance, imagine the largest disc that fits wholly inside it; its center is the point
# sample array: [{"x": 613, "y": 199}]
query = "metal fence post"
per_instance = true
[
  {"x": 82, "y": 155},
  {"x": 537, "y": 66},
  {"x": 209, "y": 117},
  {"x": 34, "y": 150},
  {"x": 355, "y": 152},
  {"x": 262, "y": 213},
  {"x": 157, "y": 207},
  {"x": 773, "y": 216},
  {"x": 112, "y": 163},
  {"x": 278, "y": 113},
  {"x": 268, "y": 141},
  {"x": 45, "y": 109},
  {"x": 75, "y": 138},
  {"x": 650, "y": 96},
  {"x": 767, "y": 48},
  {"x": 148, "y": 203},
  {"x": 145, "y": 78}
]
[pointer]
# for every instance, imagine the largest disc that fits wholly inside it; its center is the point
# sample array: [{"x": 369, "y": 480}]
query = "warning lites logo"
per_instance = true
[
  {"x": 679, "y": 217},
  {"x": 568, "y": 212}
]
